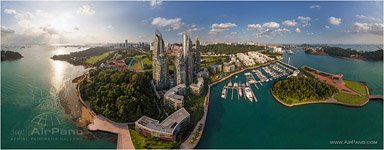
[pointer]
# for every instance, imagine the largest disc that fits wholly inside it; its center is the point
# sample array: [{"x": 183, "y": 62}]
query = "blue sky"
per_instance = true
[{"x": 262, "y": 22}]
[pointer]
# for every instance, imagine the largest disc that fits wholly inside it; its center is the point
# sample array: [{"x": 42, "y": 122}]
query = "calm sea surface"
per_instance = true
[
  {"x": 31, "y": 113},
  {"x": 268, "y": 124}
]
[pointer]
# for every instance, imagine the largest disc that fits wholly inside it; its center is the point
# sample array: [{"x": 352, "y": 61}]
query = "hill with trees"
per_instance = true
[
  {"x": 118, "y": 95},
  {"x": 10, "y": 55},
  {"x": 300, "y": 89},
  {"x": 230, "y": 49}
]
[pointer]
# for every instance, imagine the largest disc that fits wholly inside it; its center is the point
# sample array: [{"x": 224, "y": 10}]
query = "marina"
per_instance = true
[{"x": 254, "y": 77}]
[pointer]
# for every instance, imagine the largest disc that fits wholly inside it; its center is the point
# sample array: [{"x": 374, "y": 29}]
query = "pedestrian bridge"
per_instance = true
[{"x": 379, "y": 97}]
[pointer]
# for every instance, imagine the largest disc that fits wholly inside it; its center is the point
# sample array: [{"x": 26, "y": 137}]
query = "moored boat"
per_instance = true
[
  {"x": 248, "y": 93},
  {"x": 224, "y": 93}
]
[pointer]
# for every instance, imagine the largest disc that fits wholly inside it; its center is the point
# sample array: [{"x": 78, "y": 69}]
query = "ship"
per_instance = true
[
  {"x": 249, "y": 77},
  {"x": 290, "y": 52},
  {"x": 224, "y": 93},
  {"x": 248, "y": 93}
]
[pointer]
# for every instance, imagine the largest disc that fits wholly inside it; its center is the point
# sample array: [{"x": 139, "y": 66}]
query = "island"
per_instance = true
[
  {"x": 10, "y": 55},
  {"x": 344, "y": 53},
  {"x": 316, "y": 86}
]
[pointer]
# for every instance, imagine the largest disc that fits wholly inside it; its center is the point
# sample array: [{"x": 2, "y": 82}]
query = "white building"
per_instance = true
[
  {"x": 275, "y": 50},
  {"x": 167, "y": 129},
  {"x": 174, "y": 97}
]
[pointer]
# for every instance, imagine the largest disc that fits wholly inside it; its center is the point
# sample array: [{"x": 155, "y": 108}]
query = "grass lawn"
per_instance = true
[
  {"x": 206, "y": 61},
  {"x": 147, "y": 61},
  {"x": 141, "y": 142},
  {"x": 357, "y": 87},
  {"x": 95, "y": 59},
  {"x": 350, "y": 98}
]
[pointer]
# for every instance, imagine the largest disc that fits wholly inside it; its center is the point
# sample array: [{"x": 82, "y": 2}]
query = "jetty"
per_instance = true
[
  {"x": 287, "y": 65},
  {"x": 371, "y": 97}
]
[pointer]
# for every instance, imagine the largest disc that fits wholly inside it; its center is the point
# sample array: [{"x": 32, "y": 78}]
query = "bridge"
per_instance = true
[
  {"x": 379, "y": 97},
  {"x": 287, "y": 65}
]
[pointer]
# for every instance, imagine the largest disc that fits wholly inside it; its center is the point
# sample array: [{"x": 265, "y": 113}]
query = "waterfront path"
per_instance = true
[
  {"x": 372, "y": 97},
  {"x": 121, "y": 129}
]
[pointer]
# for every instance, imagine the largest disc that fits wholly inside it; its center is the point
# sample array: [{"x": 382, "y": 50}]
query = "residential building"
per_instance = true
[
  {"x": 174, "y": 97},
  {"x": 167, "y": 129},
  {"x": 160, "y": 63}
]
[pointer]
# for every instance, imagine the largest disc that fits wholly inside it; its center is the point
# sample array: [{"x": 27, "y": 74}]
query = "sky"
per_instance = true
[{"x": 136, "y": 21}]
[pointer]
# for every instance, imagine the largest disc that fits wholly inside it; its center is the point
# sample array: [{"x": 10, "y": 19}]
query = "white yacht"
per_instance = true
[
  {"x": 248, "y": 93},
  {"x": 224, "y": 93}
]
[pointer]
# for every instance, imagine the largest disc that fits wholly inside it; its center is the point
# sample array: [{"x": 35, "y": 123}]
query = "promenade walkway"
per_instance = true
[
  {"x": 121, "y": 129},
  {"x": 376, "y": 97}
]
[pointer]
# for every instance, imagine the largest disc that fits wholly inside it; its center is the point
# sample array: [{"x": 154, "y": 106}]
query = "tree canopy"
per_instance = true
[
  {"x": 118, "y": 95},
  {"x": 302, "y": 89}
]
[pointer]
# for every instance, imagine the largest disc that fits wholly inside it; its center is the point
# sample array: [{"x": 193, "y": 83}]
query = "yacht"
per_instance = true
[
  {"x": 224, "y": 93},
  {"x": 240, "y": 92},
  {"x": 229, "y": 84},
  {"x": 290, "y": 52},
  {"x": 248, "y": 93}
]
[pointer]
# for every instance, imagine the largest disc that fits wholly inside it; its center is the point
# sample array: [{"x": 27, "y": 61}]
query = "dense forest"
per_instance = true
[
  {"x": 118, "y": 95},
  {"x": 230, "y": 49},
  {"x": 302, "y": 89},
  {"x": 10, "y": 55}
]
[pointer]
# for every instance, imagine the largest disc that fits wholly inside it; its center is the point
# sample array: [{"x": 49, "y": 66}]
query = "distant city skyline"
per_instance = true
[{"x": 135, "y": 21}]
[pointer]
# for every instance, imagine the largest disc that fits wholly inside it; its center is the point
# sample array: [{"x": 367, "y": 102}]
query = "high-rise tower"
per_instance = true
[
  {"x": 160, "y": 63},
  {"x": 188, "y": 59},
  {"x": 197, "y": 56}
]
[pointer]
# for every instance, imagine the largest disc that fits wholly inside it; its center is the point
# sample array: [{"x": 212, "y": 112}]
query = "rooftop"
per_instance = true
[{"x": 168, "y": 125}]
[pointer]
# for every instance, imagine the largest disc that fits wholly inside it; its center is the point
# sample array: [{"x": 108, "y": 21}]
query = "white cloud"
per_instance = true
[
  {"x": 174, "y": 23},
  {"x": 327, "y": 27},
  {"x": 233, "y": 33},
  {"x": 315, "y": 6},
  {"x": 6, "y": 31},
  {"x": 374, "y": 28},
  {"x": 283, "y": 30},
  {"x": 290, "y": 23},
  {"x": 10, "y": 11},
  {"x": 271, "y": 25},
  {"x": 297, "y": 30},
  {"x": 218, "y": 28},
  {"x": 156, "y": 3},
  {"x": 50, "y": 30},
  {"x": 334, "y": 21},
  {"x": 254, "y": 27},
  {"x": 305, "y": 21},
  {"x": 270, "y": 32},
  {"x": 368, "y": 18},
  {"x": 86, "y": 10}
]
